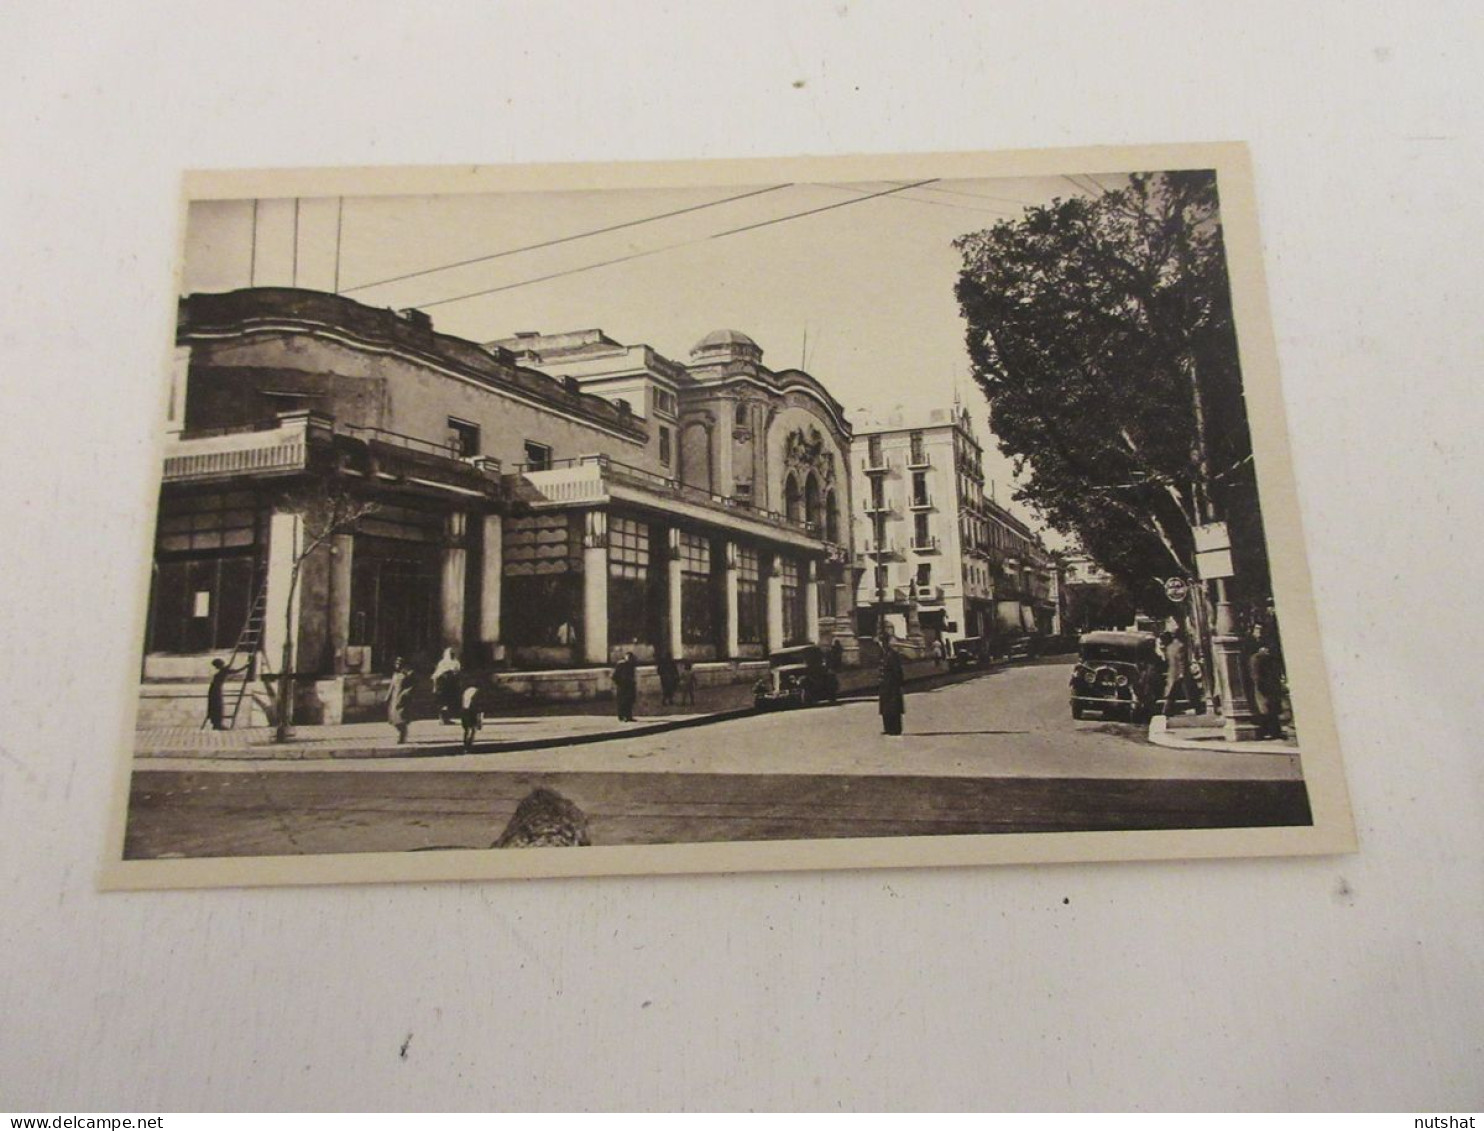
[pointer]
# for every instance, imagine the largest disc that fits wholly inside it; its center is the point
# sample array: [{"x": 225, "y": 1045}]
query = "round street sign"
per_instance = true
[{"x": 1176, "y": 589}]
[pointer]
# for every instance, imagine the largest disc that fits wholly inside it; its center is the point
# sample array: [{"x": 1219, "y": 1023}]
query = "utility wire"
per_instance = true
[
  {"x": 983, "y": 196},
  {"x": 937, "y": 203},
  {"x": 670, "y": 247},
  {"x": 562, "y": 240}
]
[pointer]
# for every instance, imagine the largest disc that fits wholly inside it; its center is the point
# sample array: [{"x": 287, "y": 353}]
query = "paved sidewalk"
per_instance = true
[
  {"x": 501, "y": 732},
  {"x": 1206, "y": 732}
]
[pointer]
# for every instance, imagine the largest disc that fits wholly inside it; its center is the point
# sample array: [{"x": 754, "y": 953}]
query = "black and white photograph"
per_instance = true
[{"x": 785, "y": 515}]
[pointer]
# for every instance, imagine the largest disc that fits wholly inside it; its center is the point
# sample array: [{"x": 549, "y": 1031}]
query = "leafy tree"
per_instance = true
[{"x": 1101, "y": 331}]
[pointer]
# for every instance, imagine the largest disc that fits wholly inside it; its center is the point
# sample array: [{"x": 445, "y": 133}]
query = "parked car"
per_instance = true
[
  {"x": 797, "y": 677},
  {"x": 1021, "y": 648},
  {"x": 967, "y": 652},
  {"x": 1117, "y": 673}
]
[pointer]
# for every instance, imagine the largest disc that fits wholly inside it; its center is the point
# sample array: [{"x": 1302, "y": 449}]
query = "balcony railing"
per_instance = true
[
  {"x": 921, "y": 503},
  {"x": 878, "y": 506},
  {"x": 928, "y": 545},
  {"x": 584, "y": 477},
  {"x": 918, "y": 459},
  {"x": 875, "y": 464},
  {"x": 399, "y": 440},
  {"x": 877, "y": 550}
]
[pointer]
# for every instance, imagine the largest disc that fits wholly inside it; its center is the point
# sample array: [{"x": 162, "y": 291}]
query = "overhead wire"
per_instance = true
[
  {"x": 672, "y": 247},
  {"x": 563, "y": 239}
]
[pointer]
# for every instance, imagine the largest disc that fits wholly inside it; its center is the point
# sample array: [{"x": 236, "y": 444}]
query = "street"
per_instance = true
[{"x": 997, "y": 752}]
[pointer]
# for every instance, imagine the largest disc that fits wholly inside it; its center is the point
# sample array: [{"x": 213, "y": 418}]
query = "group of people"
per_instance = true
[
  {"x": 675, "y": 679},
  {"x": 457, "y": 696},
  {"x": 1264, "y": 666}
]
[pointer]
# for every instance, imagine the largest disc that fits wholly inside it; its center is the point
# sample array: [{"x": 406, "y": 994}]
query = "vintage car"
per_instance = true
[
  {"x": 967, "y": 652},
  {"x": 1022, "y": 648},
  {"x": 797, "y": 677},
  {"x": 1117, "y": 673}
]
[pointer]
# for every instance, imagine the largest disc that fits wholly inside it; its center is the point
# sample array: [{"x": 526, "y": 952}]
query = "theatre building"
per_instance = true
[{"x": 542, "y": 505}]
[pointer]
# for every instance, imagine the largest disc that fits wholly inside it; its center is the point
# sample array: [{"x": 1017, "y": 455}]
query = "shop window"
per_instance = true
[
  {"x": 541, "y": 596},
  {"x": 633, "y": 604},
  {"x": 795, "y": 617},
  {"x": 697, "y": 590},
  {"x": 751, "y": 613}
]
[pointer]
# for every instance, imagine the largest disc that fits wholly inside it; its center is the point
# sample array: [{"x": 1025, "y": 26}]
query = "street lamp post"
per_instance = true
[{"x": 1239, "y": 722}]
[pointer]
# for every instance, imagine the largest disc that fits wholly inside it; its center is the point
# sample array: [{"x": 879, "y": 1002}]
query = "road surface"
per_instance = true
[{"x": 997, "y": 753}]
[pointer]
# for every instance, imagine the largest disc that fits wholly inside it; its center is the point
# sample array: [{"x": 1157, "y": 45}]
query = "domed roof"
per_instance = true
[{"x": 723, "y": 338}]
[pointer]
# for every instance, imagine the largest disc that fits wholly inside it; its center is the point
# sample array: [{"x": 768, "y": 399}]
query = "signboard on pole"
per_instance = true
[
  {"x": 1176, "y": 589},
  {"x": 1213, "y": 551}
]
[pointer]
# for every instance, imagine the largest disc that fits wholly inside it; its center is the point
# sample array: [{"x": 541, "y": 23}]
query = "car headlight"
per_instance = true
[{"x": 1123, "y": 681}]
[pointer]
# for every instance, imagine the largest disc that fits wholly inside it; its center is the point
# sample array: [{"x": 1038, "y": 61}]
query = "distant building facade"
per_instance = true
[{"x": 936, "y": 557}]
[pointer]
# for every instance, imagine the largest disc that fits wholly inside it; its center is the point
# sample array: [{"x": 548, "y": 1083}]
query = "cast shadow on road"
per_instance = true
[{"x": 953, "y": 733}]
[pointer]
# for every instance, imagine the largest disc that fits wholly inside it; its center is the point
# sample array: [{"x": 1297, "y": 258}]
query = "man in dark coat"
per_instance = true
[
  {"x": 216, "y": 693},
  {"x": 626, "y": 686},
  {"x": 669, "y": 672},
  {"x": 889, "y": 694},
  {"x": 1267, "y": 688}
]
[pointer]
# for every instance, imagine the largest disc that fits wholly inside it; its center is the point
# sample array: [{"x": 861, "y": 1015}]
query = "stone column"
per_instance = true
[
  {"x": 775, "y": 603},
  {"x": 811, "y": 603},
  {"x": 341, "y": 550},
  {"x": 491, "y": 577},
  {"x": 730, "y": 646},
  {"x": 673, "y": 591},
  {"x": 283, "y": 545},
  {"x": 455, "y": 567},
  {"x": 595, "y": 588}
]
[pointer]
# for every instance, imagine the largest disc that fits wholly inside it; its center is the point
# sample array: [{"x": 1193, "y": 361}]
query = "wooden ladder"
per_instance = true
[{"x": 249, "y": 646}]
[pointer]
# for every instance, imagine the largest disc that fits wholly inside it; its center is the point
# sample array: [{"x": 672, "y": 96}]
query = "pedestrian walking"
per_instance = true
[
  {"x": 399, "y": 698},
  {"x": 1177, "y": 673},
  {"x": 688, "y": 684},
  {"x": 215, "y": 693},
  {"x": 446, "y": 685},
  {"x": 470, "y": 714},
  {"x": 626, "y": 686},
  {"x": 937, "y": 651},
  {"x": 1267, "y": 688},
  {"x": 669, "y": 672},
  {"x": 889, "y": 696},
  {"x": 837, "y": 655}
]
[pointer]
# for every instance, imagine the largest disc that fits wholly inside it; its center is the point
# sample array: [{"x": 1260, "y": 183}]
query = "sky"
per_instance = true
[{"x": 858, "y": 290}]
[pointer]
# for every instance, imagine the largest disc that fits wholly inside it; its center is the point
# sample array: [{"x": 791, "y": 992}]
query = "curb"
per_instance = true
[
  {"x": 290, "y": 753},
  {"x": 1160, "y": 735}
]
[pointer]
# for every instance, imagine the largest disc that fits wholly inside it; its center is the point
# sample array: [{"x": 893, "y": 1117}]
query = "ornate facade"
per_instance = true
[{"x": 544, "y": 503}]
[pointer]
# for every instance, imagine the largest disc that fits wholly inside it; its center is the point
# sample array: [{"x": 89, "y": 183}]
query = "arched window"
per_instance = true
[
  {"x": 811, "y": 499},
  {"x": 831, "y": 518},
  {"x": 791, "y": 501}
]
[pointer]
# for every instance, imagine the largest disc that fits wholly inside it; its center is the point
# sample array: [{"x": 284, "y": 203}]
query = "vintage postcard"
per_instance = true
[{"x": 815, "y": 513}]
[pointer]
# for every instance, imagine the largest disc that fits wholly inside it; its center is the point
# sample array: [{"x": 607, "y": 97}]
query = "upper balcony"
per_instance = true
[
  {"x": 928, "y": 545},
  {"x": 878, "y": 551},
  {"x": 877, "y": 506},
  {"x": 599, "y": 480},
  {"x": 922, "y": 502},
  {"x": 306, "y": 442},
  {"x": 918, "y": 459},
  {"x": 875, "y": 463}
]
